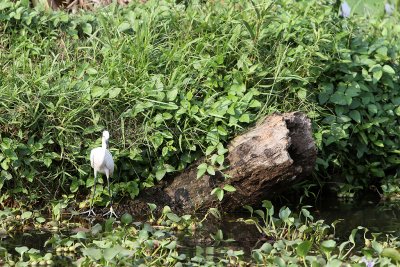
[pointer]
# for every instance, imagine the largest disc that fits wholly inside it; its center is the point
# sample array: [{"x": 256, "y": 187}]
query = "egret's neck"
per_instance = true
[{"x": 103, "y": 143}]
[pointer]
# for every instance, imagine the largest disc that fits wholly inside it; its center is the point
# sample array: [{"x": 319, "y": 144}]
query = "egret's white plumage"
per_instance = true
[
  {"x": 345, "y": 10},
  {"x": 102, "y": 162}
]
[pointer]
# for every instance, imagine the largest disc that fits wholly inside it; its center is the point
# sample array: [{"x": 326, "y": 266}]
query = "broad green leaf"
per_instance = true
[
  {"x": 173, "y": 217},
  {"x": 152, "y": 206},
  {"x": 328, "y": 245},
  {"x": 26, "y": 215},
  {"x": 171, "y": 245},
  {"x": 355, "y": 115},
  {"x": 171, "y": 94},
  {"x": 201, "y": 170},
  {"x": 210, "y": 170},
  {"x": 97, "y": 228},
  {"x": 160, "y": 174},
  {"x": 97, "y": 91},
  {"x": 91, "y": 71},
  {"x": 126, "y": 219},
  {"x": 87, "y": 28},
  {"x": 372, "y": 108},
  {"x": 110, "y": 253},
  {"x": 218, "y": 192},
  {"x": 40, "y": 219},
  {"x": 377, "y": 247},
  {"x": 388, "y": 70},
  {"x": 114, "y": 92},
  {"x": 244, "y": 118},
  {"x": 303, "y": 248},
  {"x": 229, "y": 188},
  {"x": 124, "y": 26},
  {"x": 391, "y": 253},
  {"x": 93, "y": 253},
  {"x": 21, "y": 250}
]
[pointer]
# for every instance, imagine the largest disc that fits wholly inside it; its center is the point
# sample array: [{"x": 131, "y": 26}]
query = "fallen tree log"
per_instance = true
[{"x": 262, "y": 162}]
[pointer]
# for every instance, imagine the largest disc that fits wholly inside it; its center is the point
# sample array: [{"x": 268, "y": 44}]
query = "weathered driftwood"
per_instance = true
[{"x": 262, "y": 162}]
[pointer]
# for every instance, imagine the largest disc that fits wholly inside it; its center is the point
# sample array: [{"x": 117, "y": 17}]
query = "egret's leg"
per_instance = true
[
  {"x": 111, "y": 212},
  {"x": 90, "y": 212}
]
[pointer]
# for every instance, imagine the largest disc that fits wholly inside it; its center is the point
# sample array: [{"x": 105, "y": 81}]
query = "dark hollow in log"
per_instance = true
[{"x": 262, "y": 162}]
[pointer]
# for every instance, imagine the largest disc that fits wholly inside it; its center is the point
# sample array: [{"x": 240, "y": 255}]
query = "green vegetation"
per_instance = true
[
  {"x": 173, "y": 83},
  {"x": 292, "y": 239}
]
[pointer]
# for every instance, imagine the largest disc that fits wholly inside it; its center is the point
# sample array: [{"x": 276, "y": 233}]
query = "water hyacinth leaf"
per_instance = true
[
  {"x": 377, "y": 247},
  {"x": 126, "y": 219},
  {"x": 279, "y": 261},
  {"x": 303, "y": 248},
  {"x": 152, "y": 206},
  {"x": 79, "y": 235},
  {"x": 108, "y": 225},
  {"x": 21, "y": 250},
  {"x": 40, "y": 219},
  {"x": 171, "y": 245},
  {"x": 257, "y": 256},
  {"x": 249, "y": 208},
  {"x": 328, "y": 245},
  {"x": 93, "y": 253},
  {"x": 260, "y": 213},
  {"x": 166, "y": 210},
  {"x": 173, "y": 217},
  {"x": 284, "y": 213},
  {"x": 266, "y": 248},
  {"x": 97, "y": 228},
  {"x": 110, "y": 253},
  {"x": 26, "y": 215},
  {"x": 392, "y": 253}
]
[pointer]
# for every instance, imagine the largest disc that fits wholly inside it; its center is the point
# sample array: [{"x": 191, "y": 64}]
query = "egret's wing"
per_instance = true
[
  {"x": 92, "y": 158},
  {"x": 109, "y": 162}
]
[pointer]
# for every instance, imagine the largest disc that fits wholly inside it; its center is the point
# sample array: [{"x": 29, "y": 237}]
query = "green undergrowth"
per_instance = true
[
  {"x": 286, "y": 239},
  {"x": 173, "y": 83}
]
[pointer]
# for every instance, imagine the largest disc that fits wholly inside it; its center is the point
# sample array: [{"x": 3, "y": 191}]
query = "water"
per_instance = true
[{"x": 366, "y": 211}]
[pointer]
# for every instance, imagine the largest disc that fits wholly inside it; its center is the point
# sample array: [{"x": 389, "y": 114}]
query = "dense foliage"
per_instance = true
[{"x": 173, "y": 83}]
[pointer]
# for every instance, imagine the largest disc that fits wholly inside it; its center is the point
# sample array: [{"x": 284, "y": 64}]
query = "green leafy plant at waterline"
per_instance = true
[{"x": 298, "y": 239}]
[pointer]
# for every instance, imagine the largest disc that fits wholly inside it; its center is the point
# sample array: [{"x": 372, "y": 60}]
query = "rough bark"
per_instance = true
[{"x": 262, "y": 162}]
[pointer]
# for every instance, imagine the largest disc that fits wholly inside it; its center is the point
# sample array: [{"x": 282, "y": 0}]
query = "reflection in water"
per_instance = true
[{"x": 366, "y": 212}]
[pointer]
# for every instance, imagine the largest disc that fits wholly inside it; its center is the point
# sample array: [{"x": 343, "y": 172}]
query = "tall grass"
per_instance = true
[{"x": 170, "y": 82}]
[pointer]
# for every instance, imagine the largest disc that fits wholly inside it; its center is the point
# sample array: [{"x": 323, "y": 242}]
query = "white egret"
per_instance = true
[
  {"x": 345, "y": 10},
  {"x": 101, "y": 161},
  {"x": 389, "y": 8}
]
